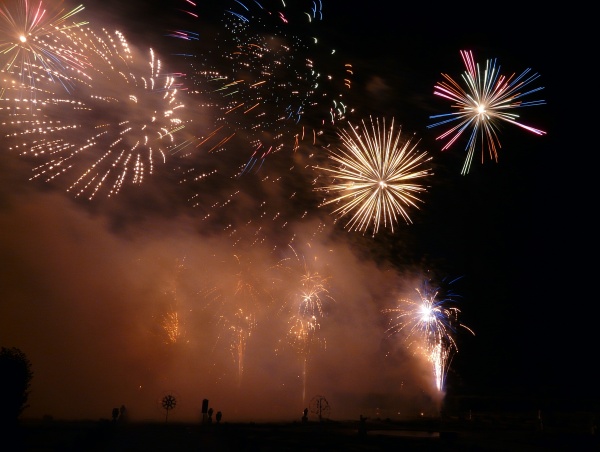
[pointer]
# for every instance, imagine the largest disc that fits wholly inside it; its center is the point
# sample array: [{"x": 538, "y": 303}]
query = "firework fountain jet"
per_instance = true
[
  {"x": 430, "y": 324},
  {"x": 309, "y": 294}
]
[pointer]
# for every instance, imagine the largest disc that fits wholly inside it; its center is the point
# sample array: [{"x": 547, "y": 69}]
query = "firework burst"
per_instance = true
[
  {"x": 309, "y": 286},
  {"x": 373, "y": 178},
  {"x": 30, "y": 46},
  {"x": 430, "y": 325},
  {"x": 485, "y": 99},
  {"x": 121, "y": 119}
]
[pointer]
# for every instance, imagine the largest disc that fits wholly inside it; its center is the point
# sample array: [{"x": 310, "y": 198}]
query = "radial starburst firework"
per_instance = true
[
  {"x": 373, "y": 178},
  {"x": 485, "y": 99}
]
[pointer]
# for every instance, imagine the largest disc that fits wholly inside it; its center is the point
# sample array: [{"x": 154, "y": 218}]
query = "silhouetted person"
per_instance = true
[
  {"x": 115, "y": 415},
  {"x": 219, "y": 416},
  {"x": 122, "y": 414},
  {"x": 362, "y": 426},
  {"x": 305, "y": 416},
  {"x": 204, "y": 410},
  {"x": 210, "y": 413}
]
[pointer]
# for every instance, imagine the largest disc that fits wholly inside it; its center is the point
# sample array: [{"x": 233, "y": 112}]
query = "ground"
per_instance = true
[{"x": 479, "y": 433}]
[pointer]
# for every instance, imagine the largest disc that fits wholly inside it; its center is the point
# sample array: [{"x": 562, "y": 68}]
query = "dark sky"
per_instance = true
[{"x": 87, "y": 283}]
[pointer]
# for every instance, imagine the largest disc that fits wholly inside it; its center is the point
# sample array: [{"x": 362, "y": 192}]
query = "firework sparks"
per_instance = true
[
  {"x": 120, "y": 119},
  {"x": 486, "y": 98},
  {"x": 171, "y": 326},
  {"x": 306, "y": 302},
  {"x": 266, "y": 88},
  {"x": 239, "y": 295},
  {"x": 171, "y": 321},
  {"x": 373, "y": 177},
  {"x": 309, "y": 286},
  {"x": 303, "y": 338},
  {"x": 430, "y": 325},
  {"x": 264, "y": 83},
  {"x": 248, "y": 299},
  {"x": 261, "y": 209},
  {"x": 241, "y": 329},
  {"x": 29, "y": 36}
]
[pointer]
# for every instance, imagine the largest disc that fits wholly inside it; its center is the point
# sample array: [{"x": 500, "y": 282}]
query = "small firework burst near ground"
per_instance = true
[{"x": 429, "y": 322}]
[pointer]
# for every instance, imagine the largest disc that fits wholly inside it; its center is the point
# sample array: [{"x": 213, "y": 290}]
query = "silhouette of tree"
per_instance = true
[{"x": 15, "y": 378}]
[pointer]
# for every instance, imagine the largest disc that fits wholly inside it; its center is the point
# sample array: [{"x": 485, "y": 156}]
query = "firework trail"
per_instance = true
[
  {"x": 373, "y": 177},
  {"x": 29, "y": 43},
  {"x": 430, "y": 325},
  {"x": 121, "y": 118},
  {"x": 238, "y": 295},
  {"x": 484, "y": 100},
  {"x": 171, "y": 322},
  {"x": 303, "y": 338},
  {"x": 309, "y": 292},
  {"x": 241, "y": 327},
  {"x": 250, "y": 296}
]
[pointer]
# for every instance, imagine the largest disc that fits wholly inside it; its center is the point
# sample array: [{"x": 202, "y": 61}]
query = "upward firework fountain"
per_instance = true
[{"x": 430, "y": 324}]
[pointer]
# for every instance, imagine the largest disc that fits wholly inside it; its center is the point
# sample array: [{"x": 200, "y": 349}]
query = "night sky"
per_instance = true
[{"x": 86, "y": 284}]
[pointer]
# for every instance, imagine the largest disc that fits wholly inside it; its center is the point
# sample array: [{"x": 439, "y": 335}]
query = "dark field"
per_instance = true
[{"x": 573, "y": 432}]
